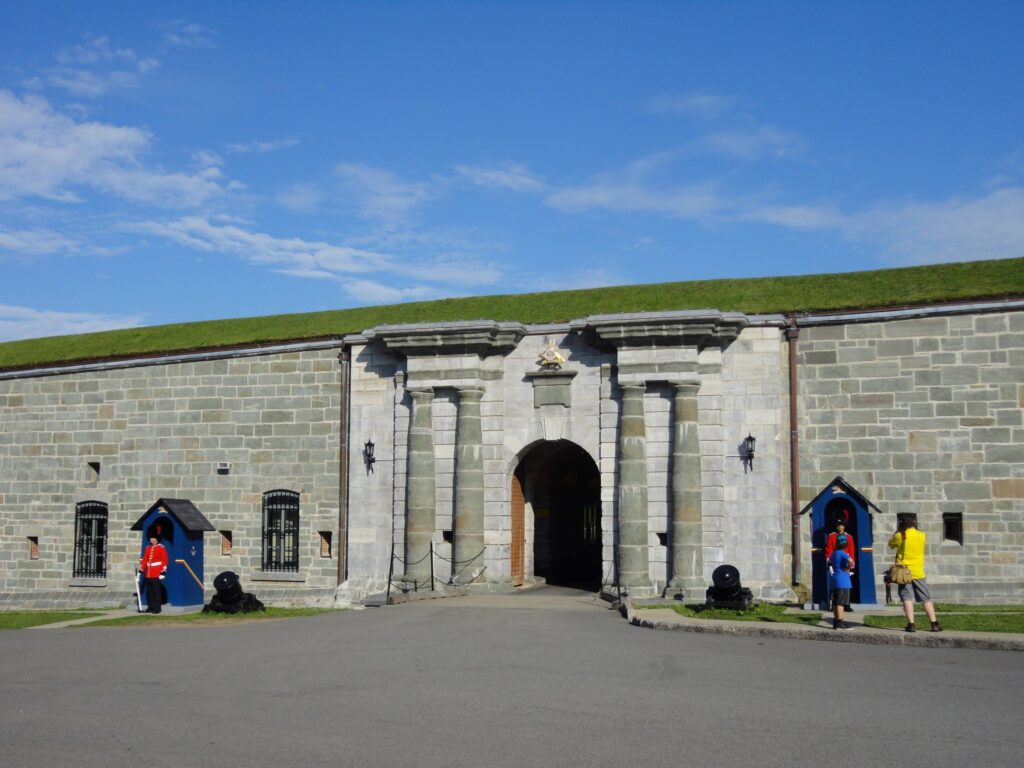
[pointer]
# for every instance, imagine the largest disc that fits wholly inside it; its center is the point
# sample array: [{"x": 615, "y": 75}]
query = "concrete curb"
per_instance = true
[{"x": 867, "y": 635}]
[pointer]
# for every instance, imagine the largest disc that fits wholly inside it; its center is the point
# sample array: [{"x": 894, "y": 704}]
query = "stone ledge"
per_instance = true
[{"x": 277, "y": 576}]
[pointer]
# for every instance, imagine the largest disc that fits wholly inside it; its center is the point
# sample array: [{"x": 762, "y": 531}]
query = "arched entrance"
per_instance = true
[{"x": 560, "y": 483}]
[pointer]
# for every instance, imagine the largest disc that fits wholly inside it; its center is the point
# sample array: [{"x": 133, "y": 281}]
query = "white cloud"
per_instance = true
[
  {"x": 187, "y": 34},
  {"x": 33, "y": 242},
  {"x": 381, "y": 194},
  {"x": 365, "y": 276},
  {"x": 304, "y": 198},
  {"x": 751, "y": 144},
  {"x": 701, "y": 105},
  {"x": 694, "y": 202},
  {"x": 94, "y": 67},
  {"x": 44, "y": 153},
  {"x": 989, "y": 227},
  {"x": 514, "y": 177},
  {"x": 373, "y": 292},
  {"x": 292, "y": 254},
  {"x": 26, "y": 323},
  {"x": 263, "y": 147}
]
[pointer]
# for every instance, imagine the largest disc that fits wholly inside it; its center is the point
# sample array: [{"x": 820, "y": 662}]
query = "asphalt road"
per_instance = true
[{"x": 550, "y": 679}]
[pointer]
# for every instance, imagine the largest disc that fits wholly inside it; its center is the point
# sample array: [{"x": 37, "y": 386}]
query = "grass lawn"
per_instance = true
[
  {"x": 758, "y": 612},
  {"x": 23, "y": 619},
  {"x": 825, "y": 292},
  {"x": 961, "y": 618},
  {"x": 207, "y": 618}
]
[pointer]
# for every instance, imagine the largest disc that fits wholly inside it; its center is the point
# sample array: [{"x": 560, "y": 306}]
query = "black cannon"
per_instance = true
[
  {"x": 726, "y": 591},
  {"x": 230, "y": 598}
]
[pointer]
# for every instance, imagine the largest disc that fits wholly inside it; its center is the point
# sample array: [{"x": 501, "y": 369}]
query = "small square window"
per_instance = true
[
  {"x": 225, "y": 542},
  {"x": 663, "y": 539},
  {"x": 447, "y": 536},
  {"x": 953, "y": 527},
  {"x": 33, "y": 547},
  {"x": 325, "y": 543}
]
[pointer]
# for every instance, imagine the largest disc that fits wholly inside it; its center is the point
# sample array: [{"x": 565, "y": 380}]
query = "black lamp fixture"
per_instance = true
[
  {"x": 748, "y": 450},
  {"x": 368, "y": 456}
]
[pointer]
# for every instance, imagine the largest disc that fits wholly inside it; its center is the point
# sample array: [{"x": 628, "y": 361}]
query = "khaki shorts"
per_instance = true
[{"x": 920, "y": 591}]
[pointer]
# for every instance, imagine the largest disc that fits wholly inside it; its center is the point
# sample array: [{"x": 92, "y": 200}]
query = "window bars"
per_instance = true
[
  {"x": 281, "y": 531},
  {"x": 90, "y": 540}
]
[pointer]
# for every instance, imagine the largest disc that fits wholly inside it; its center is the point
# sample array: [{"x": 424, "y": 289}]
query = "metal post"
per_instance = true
[{"x": 431, "y": 564}]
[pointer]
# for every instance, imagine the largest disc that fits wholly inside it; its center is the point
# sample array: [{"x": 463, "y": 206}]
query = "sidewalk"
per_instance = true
[{"x": 666, "y": 618}]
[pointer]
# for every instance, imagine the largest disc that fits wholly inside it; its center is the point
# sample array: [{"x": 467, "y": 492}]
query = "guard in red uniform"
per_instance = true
[
  {"x": 153, "y": 567},
  {"x": 840, "y": 539}
]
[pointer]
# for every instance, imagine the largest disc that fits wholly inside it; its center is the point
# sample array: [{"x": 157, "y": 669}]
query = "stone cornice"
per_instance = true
[
  {"x": 481, "y": 337},
  {"x": 695, "y": 328}
]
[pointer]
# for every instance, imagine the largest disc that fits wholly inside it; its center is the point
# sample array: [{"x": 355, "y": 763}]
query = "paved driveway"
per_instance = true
[{"x": 552, "y": 678}]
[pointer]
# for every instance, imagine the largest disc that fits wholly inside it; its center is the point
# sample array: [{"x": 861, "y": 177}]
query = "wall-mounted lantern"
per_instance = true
[
  {"x": 368, "y": 456},
  {"x": 748, "y": 451}
]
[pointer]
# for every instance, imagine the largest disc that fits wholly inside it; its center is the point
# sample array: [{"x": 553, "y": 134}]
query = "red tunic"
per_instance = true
[
  {"x": 830, "y": 547},
  {"x": 154, "y": 561}
]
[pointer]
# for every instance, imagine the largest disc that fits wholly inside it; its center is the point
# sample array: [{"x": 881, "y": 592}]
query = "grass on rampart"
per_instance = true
[{"x": 803, "y": 293}]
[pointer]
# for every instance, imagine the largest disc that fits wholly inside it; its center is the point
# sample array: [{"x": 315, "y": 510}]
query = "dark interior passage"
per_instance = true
[{"x": 563, "y": 485}]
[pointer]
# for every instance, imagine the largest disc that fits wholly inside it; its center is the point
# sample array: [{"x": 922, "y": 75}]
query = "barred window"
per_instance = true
[
  {"x": 280, "y": 530},
  {"x": 90, "y": 540}
]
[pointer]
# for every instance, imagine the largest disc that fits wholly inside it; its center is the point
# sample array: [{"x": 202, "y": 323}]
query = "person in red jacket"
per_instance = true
[{"x": 153, "y": 566}]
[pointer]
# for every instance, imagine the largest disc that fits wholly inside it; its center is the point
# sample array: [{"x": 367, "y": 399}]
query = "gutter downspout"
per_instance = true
[
  {"x": 345, "y": 360},
  {"x": 792, "y": 334}
]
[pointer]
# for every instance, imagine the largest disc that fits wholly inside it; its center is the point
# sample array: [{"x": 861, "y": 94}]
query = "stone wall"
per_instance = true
[
  {"x": 161, "y": 430},
  {"x": 923, "y": 415}
]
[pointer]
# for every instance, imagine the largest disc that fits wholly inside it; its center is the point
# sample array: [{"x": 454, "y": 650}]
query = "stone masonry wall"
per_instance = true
[
  {"x": 160, "y": 431},
  {"x": 924, "y": 416}
]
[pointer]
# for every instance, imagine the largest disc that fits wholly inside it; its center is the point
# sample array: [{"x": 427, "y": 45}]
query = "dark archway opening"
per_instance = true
[{"x": 563, "y": 486}]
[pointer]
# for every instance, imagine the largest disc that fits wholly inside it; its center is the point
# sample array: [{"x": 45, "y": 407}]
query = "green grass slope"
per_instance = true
[{"x": 804, "y": 293}]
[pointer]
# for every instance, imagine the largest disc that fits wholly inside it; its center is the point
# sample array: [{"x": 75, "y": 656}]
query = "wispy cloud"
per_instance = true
[
  {"x": 514, "y": 177},
  {"x": 699, "y": 104},
  {"x": 304, "y": 198},
  {"x": 752, "y": 144},
  {"x": 364, "y": 275},
  {"x": 293, "y": 254},
  {"x": 187, "y": 34},
  {"x": 383, "y": 195},
  {"x": 633, "y": 196},
  {"x": 34, "y": 242},
  {"x": 95, "y": 66},
  {"x": 262, "y": 147},
  {"x": 48, "y": 154},
  {"x": 26, "y": 323},
  {"x": 957, "y": 229}
]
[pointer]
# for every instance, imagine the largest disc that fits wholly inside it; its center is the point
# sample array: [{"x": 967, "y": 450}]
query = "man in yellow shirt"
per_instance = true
[{"x": 909, "y": 545}]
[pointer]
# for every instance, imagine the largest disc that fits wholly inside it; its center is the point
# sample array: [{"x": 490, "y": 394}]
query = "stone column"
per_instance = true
[
  {"x": 687, "y": 516},
  {"x": 469, "y": 486},
  {"x": 421, "y": 494},
  {"x": 633, "y": 558}
]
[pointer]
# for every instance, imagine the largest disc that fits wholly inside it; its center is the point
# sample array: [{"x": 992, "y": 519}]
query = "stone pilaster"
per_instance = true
[
  {"x": 469, "y": 486},
  {"x": 687, "y": 515},
  {"x": 634, "y": 571},
  {"x": 421, "y": 498}
]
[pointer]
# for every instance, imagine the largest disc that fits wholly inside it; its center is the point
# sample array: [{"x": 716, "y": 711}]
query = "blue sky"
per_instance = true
[{"x": 170, "y": 162}]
